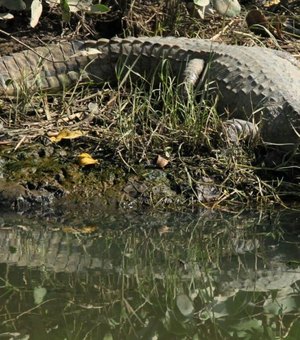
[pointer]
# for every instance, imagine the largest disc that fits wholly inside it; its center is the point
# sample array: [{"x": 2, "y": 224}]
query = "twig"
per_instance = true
[
  {"x": 217, "y": 36},
  {"x": 20, "y": 142}
]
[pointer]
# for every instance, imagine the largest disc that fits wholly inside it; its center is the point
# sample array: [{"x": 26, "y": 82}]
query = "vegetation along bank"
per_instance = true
[{"x": 131, "y": 129}]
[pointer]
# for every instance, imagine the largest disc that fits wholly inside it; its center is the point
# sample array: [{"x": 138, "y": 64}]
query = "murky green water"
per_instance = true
[{"x": 150, "y": 276}]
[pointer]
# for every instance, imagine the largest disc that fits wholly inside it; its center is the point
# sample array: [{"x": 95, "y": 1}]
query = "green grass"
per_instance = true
[{"x": 139, "y": 119}]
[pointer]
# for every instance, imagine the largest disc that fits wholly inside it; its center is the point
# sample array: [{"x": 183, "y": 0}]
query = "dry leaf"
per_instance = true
[
  {"x": 161, "y": 162},
  {"x": 85, "y": 159},
  {"x": 256, "y": 17},
  {"x": 66, "y": 134},
  {"x": 260, "y": 24},
  {"x": 36, "y": 11},
  {"x": 6, "y": 16},
  {"x": 164, "y": 230}
]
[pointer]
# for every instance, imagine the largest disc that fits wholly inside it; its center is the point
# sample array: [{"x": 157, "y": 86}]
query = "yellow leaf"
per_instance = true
[
  {"x": 66, "y": 134},
  {"x": 85, "y": 155},
  {"x": 86, "y": 159},
  {"x": 53, "y": 139},
  {"x": 73, "y": 134}
]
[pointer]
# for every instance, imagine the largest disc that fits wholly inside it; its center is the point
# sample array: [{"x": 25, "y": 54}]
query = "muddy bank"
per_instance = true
[
  {"x": 143, "y": 147},
  {"x": 44, "y": 177}
]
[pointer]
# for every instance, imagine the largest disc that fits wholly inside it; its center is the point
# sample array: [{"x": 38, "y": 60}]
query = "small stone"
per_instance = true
[
  {"x": 229, "y": 8},
  {"x": 11, "y": 192}
]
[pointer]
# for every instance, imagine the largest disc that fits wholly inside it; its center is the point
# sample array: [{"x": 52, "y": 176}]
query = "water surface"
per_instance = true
[{"x": 109, "y": 275}]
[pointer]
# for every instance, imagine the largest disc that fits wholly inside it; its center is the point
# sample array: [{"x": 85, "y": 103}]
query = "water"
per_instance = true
[{"x": 108, "y": 275}]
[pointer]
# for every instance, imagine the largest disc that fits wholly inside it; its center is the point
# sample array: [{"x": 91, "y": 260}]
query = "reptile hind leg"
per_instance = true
[
  {"x": 192, "y": 76},
  {"x": 238, "y": 130}
]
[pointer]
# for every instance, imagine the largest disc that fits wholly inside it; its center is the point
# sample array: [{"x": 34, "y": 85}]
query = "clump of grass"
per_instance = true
[
  {"x": 154, "y": 119},
  {"x": 145, "y": 117}
]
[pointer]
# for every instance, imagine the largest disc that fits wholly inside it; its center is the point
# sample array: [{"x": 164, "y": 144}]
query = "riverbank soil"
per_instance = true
[{"x": 131, "y": 145}]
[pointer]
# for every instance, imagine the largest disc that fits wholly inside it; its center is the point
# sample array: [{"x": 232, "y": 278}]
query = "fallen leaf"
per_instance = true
[
  {"x": 36, "y": 11},
  {"x": 85, "y": 159},
  {"x": 161, "y": 162},
  {"x": 164, "y": 230},
  {"x": 260, "y": 24},
  {"x": 6, "y": 16},
  {"x": 66, "y": 134},
  {"x": 256, "y": 17}
]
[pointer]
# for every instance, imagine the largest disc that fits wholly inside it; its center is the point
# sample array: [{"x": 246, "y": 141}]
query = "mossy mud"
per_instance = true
[
  {"x": 45, "y": 176},
  {"x": 42, "y": 175}
]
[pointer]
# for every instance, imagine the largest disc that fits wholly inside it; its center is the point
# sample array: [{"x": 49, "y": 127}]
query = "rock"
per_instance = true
[
  {"x": 11, "y": 193},
  {"x": 229, "y": 8}
]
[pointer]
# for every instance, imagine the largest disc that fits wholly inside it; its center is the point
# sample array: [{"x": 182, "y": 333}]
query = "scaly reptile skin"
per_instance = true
[{"x": 253, "y": 83}]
